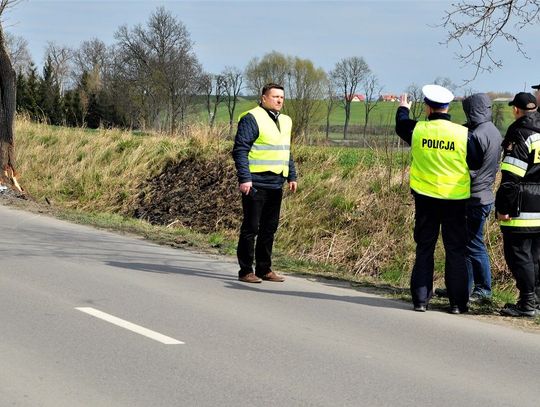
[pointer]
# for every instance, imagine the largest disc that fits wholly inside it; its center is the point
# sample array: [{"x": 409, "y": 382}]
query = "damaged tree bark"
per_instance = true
[{"x": 7, "y": 116}]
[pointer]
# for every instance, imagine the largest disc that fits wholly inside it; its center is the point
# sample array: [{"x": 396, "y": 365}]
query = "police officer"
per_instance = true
[
  {"x": 518, "y": 203},
  {"x": 263, "y": 162},
  {"x": 442, "y": 155}
]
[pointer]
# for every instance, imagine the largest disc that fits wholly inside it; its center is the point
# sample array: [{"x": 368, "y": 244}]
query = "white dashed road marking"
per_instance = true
[{"x": 130, "y": 326}]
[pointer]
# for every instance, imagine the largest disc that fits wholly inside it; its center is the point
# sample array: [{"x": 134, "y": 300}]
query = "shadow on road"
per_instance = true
[
  {"x": 354, "y": 299},
  {"x": 171, "y": 269}
]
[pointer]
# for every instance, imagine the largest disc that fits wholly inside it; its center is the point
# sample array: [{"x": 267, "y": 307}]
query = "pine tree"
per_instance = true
[
  {"x": 50, "y": 100},
  {"x": 31, "y": 96},
  {"x": 22, "y": 90}
]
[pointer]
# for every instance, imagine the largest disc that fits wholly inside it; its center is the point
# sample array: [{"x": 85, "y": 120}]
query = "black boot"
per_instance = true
[{"x": 525, "y": 307}]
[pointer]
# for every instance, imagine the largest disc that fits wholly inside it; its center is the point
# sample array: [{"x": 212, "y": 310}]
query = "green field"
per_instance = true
[{"x": 383, "y": 115}]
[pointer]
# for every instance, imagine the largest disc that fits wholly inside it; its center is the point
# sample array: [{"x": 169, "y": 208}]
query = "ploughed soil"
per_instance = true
[{"x": 195, "y": 193}]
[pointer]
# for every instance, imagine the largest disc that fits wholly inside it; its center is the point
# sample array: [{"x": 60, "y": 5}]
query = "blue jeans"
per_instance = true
[{"x": 477, "y": 257}]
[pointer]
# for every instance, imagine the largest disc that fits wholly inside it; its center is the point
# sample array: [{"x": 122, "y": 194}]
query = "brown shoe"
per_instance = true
[
  {"x": 271, "y": 276},
  {"x": 250, "y": 278}
]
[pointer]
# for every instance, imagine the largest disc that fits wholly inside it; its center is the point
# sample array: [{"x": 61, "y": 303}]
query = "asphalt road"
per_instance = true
[{"x": 225, "y": 343}]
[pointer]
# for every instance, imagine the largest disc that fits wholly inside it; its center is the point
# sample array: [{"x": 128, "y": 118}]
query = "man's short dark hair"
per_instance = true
[{"x": 269, "y": 86}]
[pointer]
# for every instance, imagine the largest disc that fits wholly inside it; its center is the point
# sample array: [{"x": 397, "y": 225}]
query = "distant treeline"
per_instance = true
[{"x": 151, "y": 79}]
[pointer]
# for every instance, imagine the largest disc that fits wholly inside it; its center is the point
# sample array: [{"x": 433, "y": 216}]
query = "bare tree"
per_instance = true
[
  {"x": 445, "y": 82},
  {"x": 233, "y": 85},
  {"x": 347, "y": 75},
  {"x": 213, "y": 87},
  {"x": 60, "y": 57},
  {"x": 161, "y": 56},
  {"x": 415, "y": 95},
  {"x": 372, "y": 90},
  {"x": 273, "y": 67},
  {"x": 7, "y": 107},
  {"x": 305, "y": 89},
  {"x": 7, "y": 4},
  {"x": 469, "y": 91},
  {"x": 303, "y": 83},
  {"x": 477, "y": 25},
  {"x": 90, "y": 60},
  {"x": 18, "y": 53},
  {"x": 330, "y": 101}
]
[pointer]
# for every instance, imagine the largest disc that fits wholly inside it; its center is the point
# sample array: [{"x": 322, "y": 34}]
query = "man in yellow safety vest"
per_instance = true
[{"x": 263, "y": 162}]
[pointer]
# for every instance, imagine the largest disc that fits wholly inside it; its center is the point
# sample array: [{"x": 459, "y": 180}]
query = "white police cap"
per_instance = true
[{"x": 437, "y": 94}]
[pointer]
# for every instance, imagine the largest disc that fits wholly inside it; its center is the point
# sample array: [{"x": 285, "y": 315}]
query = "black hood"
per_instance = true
[
  {"x": 531, "y": 121},
  {"x": 477, "y": 108}
]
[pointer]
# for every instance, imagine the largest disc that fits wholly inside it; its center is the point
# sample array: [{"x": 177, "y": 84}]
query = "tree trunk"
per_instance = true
[
  {"x": 347, "y": 118},
  {"x": 327, "y": 126},
  {"x": 7, "y": 112}
]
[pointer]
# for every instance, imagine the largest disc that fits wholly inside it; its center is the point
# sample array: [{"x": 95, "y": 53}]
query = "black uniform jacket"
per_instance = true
[{"x": 519, "y": 191}]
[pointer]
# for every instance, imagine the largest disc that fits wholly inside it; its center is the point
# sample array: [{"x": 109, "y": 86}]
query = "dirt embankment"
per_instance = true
[{"x": 195, "y": 193}]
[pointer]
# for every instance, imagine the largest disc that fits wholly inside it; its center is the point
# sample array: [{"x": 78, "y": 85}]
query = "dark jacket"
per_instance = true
[
  {"x": 477, "y": 108},
  {"x": 520, "y": 192},
  {"x": 247, "y": 133},
  {"x": 405, "y": 128}
]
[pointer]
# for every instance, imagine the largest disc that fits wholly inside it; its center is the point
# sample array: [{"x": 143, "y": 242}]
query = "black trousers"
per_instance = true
[
  {"x": 448, "y": 216},
  {"x": 261, "y": 218},
  {"x": 522, "y": 254}
]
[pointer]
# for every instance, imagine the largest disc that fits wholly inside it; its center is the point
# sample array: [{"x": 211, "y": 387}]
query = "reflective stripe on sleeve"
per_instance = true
[
  {"x": 514, "y": 161},
  {"x": 533, "y": 138},
  {"x": 528, "y": 215},
  {"x": 520, "y": 172},
  {"x": 521, "y": 223}
]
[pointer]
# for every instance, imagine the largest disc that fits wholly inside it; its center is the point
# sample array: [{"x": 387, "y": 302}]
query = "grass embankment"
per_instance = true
[{"x": 352, "y": 217}]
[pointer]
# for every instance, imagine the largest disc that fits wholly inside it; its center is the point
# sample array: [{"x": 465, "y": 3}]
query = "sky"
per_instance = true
[{"x": 399, "y": 39}]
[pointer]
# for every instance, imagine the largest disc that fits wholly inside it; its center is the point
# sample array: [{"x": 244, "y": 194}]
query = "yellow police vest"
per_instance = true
[
  {"x": 439, "y": 168},
  {"x": 272, "y": 149}
]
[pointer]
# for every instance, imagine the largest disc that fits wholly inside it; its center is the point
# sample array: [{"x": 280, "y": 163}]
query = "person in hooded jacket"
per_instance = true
[
  {"x": 518, "y": 203},
  {"x": 477, "y": 109}
]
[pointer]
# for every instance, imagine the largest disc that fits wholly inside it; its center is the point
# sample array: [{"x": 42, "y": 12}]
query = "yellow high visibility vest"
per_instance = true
[
  {"x": 271, "y": 151},
  {"x": 439, "y": 168}
]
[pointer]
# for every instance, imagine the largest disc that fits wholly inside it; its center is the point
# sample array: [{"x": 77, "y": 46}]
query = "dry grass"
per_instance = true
[{"x": 96, "y": 170}]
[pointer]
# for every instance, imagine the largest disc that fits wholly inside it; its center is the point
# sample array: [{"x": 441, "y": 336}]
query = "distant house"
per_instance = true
[
  {"x": 388, "y": 98},
  {"x": 502, "y": 99},
  {"x": 357, "y": 97}
]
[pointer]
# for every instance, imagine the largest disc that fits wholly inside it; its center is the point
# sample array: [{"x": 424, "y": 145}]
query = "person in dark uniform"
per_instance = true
[
  {"x": 442, "y": 155},
  {"x": 263, "y": 163},
  {"x": 518, "y": 203}
]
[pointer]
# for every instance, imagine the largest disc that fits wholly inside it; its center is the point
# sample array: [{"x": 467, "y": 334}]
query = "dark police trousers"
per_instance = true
[
  {"x": 261, "y": 218},
  {"x": 522, "y": 254},
  {"x": 432, "y": 215}
]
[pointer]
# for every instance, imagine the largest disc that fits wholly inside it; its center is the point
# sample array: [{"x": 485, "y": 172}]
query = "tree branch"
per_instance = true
[{"x": 477, "y": 26}]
